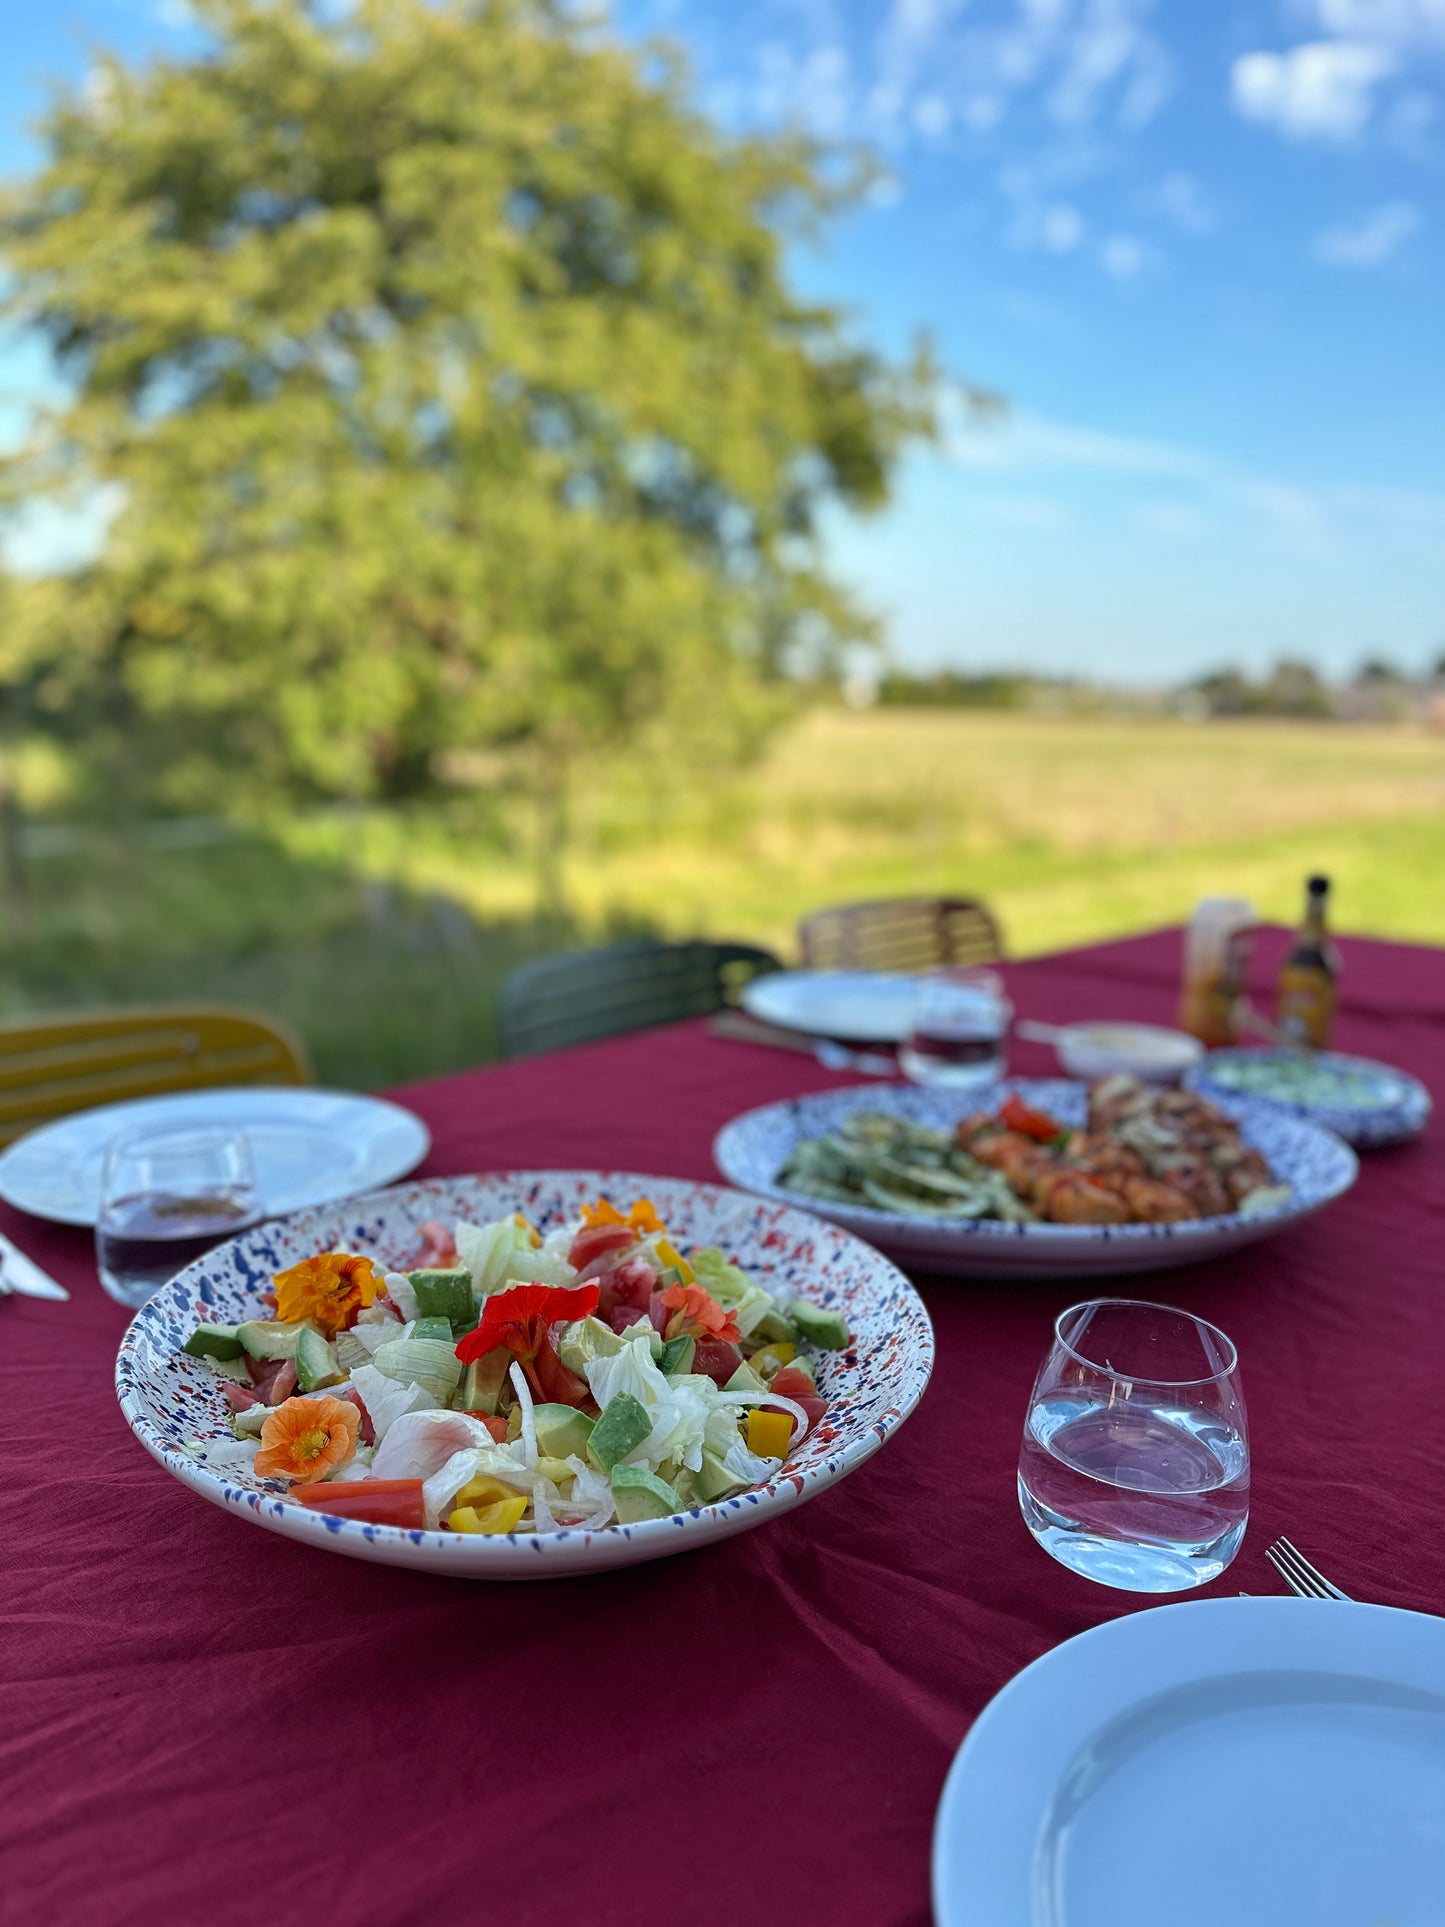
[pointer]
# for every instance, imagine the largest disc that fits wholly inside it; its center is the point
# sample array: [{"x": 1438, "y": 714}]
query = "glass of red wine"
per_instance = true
[
  {"x": 957, "y": 1028},
  {"x": 170, "y": 1194}
]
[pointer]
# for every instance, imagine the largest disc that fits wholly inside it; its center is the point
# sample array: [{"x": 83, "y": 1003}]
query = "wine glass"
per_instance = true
[
  {"x": 1135, "y": 1462},
  {"x": 169, "y": 1194}
]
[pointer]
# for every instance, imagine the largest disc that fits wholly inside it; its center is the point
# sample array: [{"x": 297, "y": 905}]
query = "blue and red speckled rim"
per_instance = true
[{"x": 170, "y": 1400}]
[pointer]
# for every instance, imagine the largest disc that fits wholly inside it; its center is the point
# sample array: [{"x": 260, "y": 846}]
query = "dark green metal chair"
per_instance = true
[{"x": 574, "y": 996}]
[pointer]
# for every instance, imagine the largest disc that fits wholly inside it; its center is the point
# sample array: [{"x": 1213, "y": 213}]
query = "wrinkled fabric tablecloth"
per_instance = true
[{"x": 204, "y": 1722}]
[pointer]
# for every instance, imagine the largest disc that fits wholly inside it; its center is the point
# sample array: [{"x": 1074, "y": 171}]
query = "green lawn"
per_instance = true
[{"x": 383, "y": 941}]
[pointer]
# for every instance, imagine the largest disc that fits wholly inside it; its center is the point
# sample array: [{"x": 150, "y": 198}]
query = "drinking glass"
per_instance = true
[
  {"x": 1135, "y": 1462},
  {"x": 168, "y": 1195},
  {"x": 957, "y": 1026}
]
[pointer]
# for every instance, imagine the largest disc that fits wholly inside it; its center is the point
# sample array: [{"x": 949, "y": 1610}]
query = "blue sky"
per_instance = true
[{"x": 1198, "y": 245}]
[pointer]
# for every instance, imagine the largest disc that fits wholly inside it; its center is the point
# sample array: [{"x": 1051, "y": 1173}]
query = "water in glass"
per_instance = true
[
  {"x": 957, "y": 1028},
  {"x": 169, "y": 1196},
  {"x": 1135, "y": 1462}
]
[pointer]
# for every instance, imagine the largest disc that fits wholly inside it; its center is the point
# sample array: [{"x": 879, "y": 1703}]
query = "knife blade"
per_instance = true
[{"x": 21, "y": 1274}]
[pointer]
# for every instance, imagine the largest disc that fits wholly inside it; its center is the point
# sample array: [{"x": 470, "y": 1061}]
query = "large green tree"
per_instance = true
[{"x": 443, "y": 363}]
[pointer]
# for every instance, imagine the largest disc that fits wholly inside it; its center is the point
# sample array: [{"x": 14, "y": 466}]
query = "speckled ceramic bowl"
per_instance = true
[
  {"x": 751, "y": 1151},
  {"x": 176, "y": 1409}
]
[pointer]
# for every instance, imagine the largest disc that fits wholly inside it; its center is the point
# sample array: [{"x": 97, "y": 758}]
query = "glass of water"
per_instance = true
[
  {"x": 956, "y": 1030},
  {"x": 169, "y": 1195},
  {"x": 1135, "y": 1462}
]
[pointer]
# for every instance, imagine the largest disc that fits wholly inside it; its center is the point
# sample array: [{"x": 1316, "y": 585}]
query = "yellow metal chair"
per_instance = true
[{"x": 50, "y": 1066}]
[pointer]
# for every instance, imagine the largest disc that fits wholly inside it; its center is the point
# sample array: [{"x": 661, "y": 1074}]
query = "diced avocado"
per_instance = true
[
  {"x": 557, "y": 1470},
  {"x": 586, "y": 1339},
  {"x": 770, "y": 1327},
  {"x": 484, "y": 1381},
  {"x": 677, "y": 1355},
  {"x": 640, "y": 1494},
  {"x": 271, "y": 1337},
  {"x": 745, "y": 1379},
  {"x": 826, "y": 1329},
  {"x": 445, "y": 1294},
  {"x": 713, "y": 1478},
  {"x": 561, "y": 1430},
  {"x": 623, "y": 1426},
  {"x": 686, "y": 1487},
  {"x": 316, "y": 1363},
  {"x": 432, "y": 1328},
  {"x": 213, "y": 1341}
]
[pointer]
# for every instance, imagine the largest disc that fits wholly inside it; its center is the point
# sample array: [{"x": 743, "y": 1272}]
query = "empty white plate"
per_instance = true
[
  {"x": 847, "y": 1006},
  {"x": 1255, "y": 1762},
  {"x": 311, "y": 1147}
]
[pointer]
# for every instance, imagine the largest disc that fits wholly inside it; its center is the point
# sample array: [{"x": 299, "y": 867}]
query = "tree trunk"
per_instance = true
[{"x": 14, "y": 895}]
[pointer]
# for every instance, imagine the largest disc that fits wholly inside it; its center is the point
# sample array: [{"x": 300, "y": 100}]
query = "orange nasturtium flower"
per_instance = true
[
  {"x": 331, "y": 1289},
  {"x": 306, "y": 1438},
  {"x": 642, "y": 1217},
  {"x": 697, "y": 1314}
]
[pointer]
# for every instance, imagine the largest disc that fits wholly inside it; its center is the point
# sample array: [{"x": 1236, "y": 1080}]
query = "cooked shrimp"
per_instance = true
[
  {"x": 1151, "y": 1202},
  {"x": 1069, "y": 1197}
]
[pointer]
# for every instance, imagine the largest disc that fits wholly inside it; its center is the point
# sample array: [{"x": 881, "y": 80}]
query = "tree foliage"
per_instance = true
[{"x": 444, "y": 364}]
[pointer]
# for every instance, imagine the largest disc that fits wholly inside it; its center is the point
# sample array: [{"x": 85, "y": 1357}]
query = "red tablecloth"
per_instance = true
[{"x": 203, "y": 1721}]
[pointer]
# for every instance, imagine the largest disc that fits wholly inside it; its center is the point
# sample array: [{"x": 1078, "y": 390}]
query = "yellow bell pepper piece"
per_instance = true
[
  {"x": 769, "y": 1433},
  {"x": 557, "y": 1470},
  {"x": 772, "y": 1358},
  {"x": 671, "y": 1256},
  {"x": 485, "y": 1490},
  {"x": 491, "y": 1519}
]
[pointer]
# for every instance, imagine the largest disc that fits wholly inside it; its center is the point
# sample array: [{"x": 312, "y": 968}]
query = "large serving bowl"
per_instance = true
[
  {"x": 753, "y": 1148},
  {"x": 176, "y": 1409}
]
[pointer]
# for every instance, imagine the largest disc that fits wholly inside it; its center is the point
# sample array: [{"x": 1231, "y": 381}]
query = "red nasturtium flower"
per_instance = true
[
  {"x": 518, "y": 1320},
  {"x": 697, "y": 1314}
]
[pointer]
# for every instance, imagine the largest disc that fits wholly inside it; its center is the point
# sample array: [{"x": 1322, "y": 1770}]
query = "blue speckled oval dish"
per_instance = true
[
  {"x": 1386, "y": 1106},
  {"x": 176, "y": 1409},
  {"x": 754, "y": 1147}
]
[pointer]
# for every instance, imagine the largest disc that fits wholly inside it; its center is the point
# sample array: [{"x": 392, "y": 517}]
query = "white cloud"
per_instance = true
[
  {"x": 1370, "y": 241},
  {"x": 1402, "y": 23},
  {"x": 1061, "y": 228},
  {"x": 1180, "y": 200},
  {"x": 1165, "y": 515},
  {"x": 1124, "y": 257},
  {"x": 1015, "y": 510},
  {"x": 932, "y": 116},
  {"x": 1202, "y": 485},
  {"x": 1323, "y": 90},
  {"x": 1110, "y": 48}
]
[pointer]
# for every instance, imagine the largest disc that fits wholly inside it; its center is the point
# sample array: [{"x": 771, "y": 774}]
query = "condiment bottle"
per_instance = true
[
  {"x": 1306, "y": 1008},
  {"x": 1216, "y": 954}
]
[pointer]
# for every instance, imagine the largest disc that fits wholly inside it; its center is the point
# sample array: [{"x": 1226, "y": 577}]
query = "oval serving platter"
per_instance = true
[
  {"x": 752, "y": 1149},
  {"x": 176, "y": 1409}
]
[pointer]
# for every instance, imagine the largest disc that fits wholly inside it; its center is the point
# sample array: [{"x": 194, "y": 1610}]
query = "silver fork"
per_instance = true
[{"x": 1299, "y": 1575}]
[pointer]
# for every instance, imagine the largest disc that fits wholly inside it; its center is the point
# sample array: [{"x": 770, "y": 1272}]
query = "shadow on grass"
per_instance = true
[{"x": 383, "y": 984}]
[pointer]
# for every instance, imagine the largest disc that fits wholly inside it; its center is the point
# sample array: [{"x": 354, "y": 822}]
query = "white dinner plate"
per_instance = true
[
  {"x": 846, "y": 1006},
  {"x": 177, "y": 1410},
  {"x": 310, "y": 1147},
  {"x": 1216, "y": 1763},
  {"x": 753, "y": 1148}
]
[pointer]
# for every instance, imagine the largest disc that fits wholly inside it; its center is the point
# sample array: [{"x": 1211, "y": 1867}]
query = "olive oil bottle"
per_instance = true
[{"x": 1306, "y": 1007}]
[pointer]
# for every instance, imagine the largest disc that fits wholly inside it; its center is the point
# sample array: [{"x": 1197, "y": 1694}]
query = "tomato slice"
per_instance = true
[
  {"x": 596, "y": 1240},
  {"x": 796, "y": 1385},
  {"x": 717, "y": 1359},
  {"x": 380, "y": 1502},
  {"x": 1024, "y": 1119}
]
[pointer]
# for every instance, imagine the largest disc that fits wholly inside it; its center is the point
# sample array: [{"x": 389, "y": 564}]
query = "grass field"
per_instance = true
[{"x": 383, "y": 939}]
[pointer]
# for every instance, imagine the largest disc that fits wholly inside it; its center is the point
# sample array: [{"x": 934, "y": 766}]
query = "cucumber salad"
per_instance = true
[{"x": 511, "y": 1382}]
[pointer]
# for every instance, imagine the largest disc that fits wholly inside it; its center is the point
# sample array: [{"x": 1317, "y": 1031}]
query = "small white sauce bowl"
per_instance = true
[{"x": 1147, "y": 1051}]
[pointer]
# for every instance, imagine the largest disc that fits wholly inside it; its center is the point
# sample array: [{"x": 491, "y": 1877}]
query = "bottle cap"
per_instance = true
[{"x": 1319, "y": 886}]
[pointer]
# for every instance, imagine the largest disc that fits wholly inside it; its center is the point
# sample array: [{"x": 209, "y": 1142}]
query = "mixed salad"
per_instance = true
[{"x": 512, "y": 1382}]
